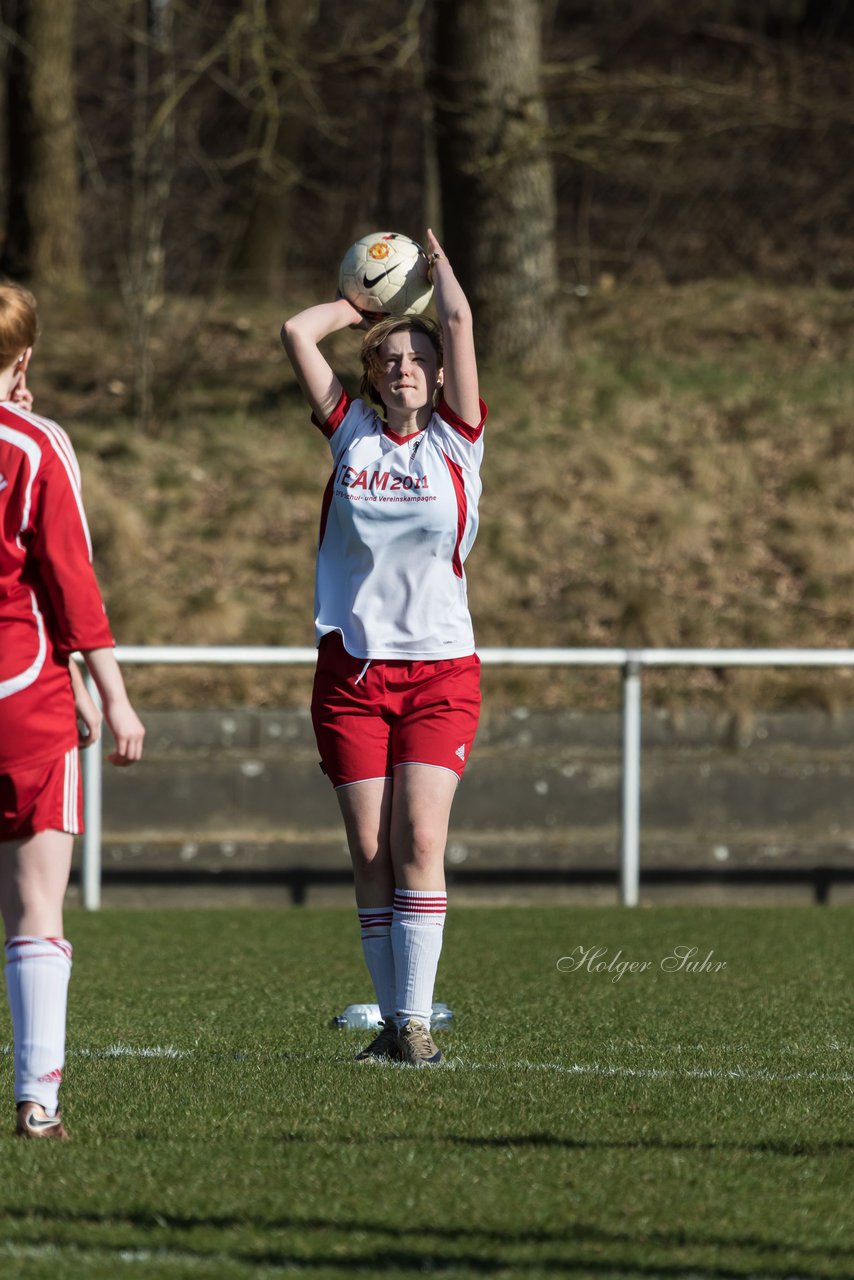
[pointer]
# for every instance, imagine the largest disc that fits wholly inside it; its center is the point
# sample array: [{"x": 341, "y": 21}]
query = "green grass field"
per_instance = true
[{"x": 663, "y": 1124}]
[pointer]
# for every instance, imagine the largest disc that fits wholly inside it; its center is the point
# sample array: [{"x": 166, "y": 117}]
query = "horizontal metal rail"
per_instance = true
[{"x": 630, "y": 661}]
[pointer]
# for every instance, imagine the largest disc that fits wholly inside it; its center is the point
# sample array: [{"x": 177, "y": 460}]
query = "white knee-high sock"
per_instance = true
[
  {"x": 416, "y": 939},
  {"x": 376, "y": 945},
  {"x": 37, "y": 974}
]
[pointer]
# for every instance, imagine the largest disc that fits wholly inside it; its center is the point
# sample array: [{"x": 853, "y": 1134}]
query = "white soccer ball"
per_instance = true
[{"x": 387, "y": 272}]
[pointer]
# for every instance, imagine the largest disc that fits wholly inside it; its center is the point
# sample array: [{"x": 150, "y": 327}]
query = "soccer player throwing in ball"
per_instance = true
[
  {"x": 50, "y": 606},
  {"x": 397, "y": 686}
]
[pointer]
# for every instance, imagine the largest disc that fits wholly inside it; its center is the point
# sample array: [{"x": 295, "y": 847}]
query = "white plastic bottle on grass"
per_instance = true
[
  {"x": 441, "y": 1017},
  {"x": 358, "y": 1017},
  {"x": 366, "y": 1017}
]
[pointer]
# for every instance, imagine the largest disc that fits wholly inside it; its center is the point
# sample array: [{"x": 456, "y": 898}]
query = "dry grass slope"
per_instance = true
[{"x": 685, "y": 478}]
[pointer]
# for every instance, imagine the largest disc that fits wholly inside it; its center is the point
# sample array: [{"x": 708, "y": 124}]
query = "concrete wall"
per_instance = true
[{"x": 240, "y": 793}]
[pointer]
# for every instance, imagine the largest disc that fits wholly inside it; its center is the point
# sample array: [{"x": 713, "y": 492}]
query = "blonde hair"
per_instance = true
[
  {"x": 19, "y": 322},
  {"x": 372, "y": 365}
]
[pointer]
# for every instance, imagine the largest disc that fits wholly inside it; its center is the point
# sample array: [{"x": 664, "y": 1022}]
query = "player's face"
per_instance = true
[{"x": 410, "y": 372}]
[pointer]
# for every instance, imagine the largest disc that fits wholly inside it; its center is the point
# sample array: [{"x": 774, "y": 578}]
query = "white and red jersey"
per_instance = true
[
  {"x": 50, "y": 603},
  {"x": 399, "y": 518}
]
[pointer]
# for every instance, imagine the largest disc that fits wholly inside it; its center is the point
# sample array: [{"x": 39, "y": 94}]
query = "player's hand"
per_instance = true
[
  {"x": 128, "y": 731},
  {"x": 435, "y": 252},
  {"x": 89, "y": 722},
  {"x": 361, "y": 319},
  {"x": 89, "y": 716},
  {"x": 21, "y": 394}
]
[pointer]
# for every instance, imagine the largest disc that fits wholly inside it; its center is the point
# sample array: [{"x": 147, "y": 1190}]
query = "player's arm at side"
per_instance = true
[
  {"x": 301, "y": 336},
  {"x": 125, "y": 724},
  {"x": 89, "y": 717},
  {"x": 460, "y": 387},
  {"x": 61, "y": 547}
]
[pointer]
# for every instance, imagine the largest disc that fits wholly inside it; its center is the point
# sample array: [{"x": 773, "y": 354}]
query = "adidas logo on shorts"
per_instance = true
[{"x": 461, "y": 752}]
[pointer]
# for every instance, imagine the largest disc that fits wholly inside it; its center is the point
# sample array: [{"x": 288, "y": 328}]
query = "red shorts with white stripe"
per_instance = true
[
  {"x": 370, "y": 718},
  {"x": 48, "y": 797}
]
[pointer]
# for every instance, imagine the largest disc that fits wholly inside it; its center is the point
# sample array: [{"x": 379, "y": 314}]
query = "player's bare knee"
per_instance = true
[
  {"x": 368, "y": 860},
  {"x": 420, "y": 848}
]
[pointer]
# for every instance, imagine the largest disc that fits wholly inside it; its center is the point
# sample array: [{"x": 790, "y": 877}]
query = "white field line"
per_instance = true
[
  {"x": 189, "y": 1263},
  {"x": 559, "y": 1068},
  {"x": 665, "y": 1073}
]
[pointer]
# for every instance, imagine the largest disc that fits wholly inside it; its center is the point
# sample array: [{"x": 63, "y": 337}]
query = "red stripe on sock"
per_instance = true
[
  {"x": 407, "y": 903},
  {"x": 434, "y": 904},
  {"x": 18, "y": 944}
]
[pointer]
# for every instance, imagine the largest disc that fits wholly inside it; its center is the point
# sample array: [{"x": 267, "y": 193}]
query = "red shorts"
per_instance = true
[
  {"x": 369, "y": 721},
  {"x": 48, "y": 797}
]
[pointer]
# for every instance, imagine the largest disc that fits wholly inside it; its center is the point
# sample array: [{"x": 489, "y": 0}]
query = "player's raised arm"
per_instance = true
[
  {"x": 301, "y": 336},
  {"x": 461, "y": 389}
]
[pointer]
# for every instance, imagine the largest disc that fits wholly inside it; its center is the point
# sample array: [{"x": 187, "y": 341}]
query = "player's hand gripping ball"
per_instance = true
[{"x": 386, "y": 272}]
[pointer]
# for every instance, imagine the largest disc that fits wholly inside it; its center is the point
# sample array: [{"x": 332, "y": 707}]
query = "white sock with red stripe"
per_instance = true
[
  {"x": 376, "y": 945},
  {"x": 416, "y": 938},
  {"x": 37, "y": 974}
]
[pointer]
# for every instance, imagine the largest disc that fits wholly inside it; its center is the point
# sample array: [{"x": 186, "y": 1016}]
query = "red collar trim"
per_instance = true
[{"x": 396, "y": 439}]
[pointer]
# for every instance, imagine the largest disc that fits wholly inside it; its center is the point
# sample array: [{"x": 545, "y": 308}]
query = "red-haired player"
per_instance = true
[
  {"x": 50, "y": 606},
  {"x": 397, "y": 688}
]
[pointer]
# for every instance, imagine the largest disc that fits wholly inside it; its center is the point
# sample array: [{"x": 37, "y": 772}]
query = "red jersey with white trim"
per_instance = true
[
  {"x": 399, "y": 518},
  {"x": 50, "y": 603}
]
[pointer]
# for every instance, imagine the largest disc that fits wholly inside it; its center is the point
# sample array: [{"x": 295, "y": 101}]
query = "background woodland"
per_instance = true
[{"x": 649, "y": 202}]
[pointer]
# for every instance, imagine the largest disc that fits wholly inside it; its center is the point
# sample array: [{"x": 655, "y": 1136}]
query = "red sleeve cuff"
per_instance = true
[
  {"x": 336, "y": 417},
  {"x": 83, "y": 641},
  {"x": 470, "y": 433}
]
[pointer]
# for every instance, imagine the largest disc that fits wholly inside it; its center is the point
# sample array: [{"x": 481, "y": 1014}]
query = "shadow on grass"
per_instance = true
[
  {"x": 769, "y": 1147},
  {"x": 766, "y": 1147},
  {"x": 388, "y": 1256}
]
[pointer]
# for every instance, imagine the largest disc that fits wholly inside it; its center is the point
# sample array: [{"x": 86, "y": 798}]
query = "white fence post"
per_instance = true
[
  {"x": 630, "y": 836},
  {"x": 92, "y": 759}
]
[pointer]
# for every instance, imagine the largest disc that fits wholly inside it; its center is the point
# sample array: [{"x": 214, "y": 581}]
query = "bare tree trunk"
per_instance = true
[
  {"x": 141, "y": 273},
  {"x": 498, "y": 201},
  {"x": 15, "y": 256},
  {"x": 280, "y": 27},
  {"x": 43, "y": 242}
]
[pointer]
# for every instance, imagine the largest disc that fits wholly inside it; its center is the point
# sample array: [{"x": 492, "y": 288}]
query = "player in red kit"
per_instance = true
[
  {"x": 50, "y": 607},
  {"x": 397, "y": 690}
]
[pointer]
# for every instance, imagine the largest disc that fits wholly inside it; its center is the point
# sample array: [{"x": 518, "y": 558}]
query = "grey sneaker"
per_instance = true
[
  {"x": 34, "y": 1122},
  {"x": 416, "y": 1046},
  {"x": 383, "y": 1047}
]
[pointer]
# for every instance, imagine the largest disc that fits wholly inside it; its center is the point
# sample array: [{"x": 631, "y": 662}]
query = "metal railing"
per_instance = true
[{"x": 630, "y": 661}]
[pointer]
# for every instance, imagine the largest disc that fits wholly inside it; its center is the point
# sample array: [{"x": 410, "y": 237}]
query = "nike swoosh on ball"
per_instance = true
[{"x": 369, "y": 284}]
